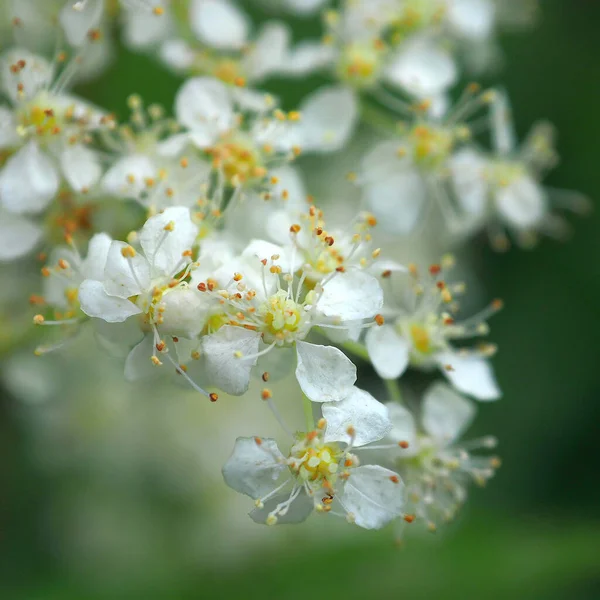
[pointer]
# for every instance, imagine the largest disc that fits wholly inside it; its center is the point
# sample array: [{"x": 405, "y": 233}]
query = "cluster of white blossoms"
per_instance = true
[{"x": 234, "y": 273}]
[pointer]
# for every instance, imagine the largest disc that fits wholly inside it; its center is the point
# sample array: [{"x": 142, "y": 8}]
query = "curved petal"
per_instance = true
[
  {"x": 126, "y": 178},
  {"x": 8, "y": 129},
  {"x": 269, "y": 51},
  {"x": 352, "y": 295},
  {"x": 422, "y": 69},
  {"x": 125, "y": 276},
  {"x": 18, "y": 236},
  {"x": 404, "y": 429},
  {"x": 328, "y": 119},
  {"x": 254, "y": 466},
  {"x": 471, "y": 375},
  {"x": 95, "y": 261},
  {"x": 138, "y": 364},
  {"x": 77, "y": 18},
  {"x": 185, "y": 312},
  {"x": 467, "y": 168},
  {"x": 503, "y": 131},
  {"x": 359, "y": 410},
  {"x": 523, "y": 203},
  {"x": 388, "y": 351},
  {"x": 324, "y": 373},
  {"x": 219, "y": 23},
  {"x": 95, "y": 302},
  {"x": 81, "y": 167},
  {"x": 204, "y": 106},
  {"x": 230, "y": 356},
  {"x": 473, "y": 19},
  {"x": 28, "y": 181},
  {"x": 445, "y": 413},
  {"x": 165, "y": 237},
  {"x": 36, "y": 75},
  {"x": 373, "y": 496}
]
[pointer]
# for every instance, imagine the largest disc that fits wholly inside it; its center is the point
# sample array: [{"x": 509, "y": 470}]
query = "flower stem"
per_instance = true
[
  {"x": 393, "y": 390},
  {"x": 356, "y": 348},
  {"x": 308, "y": 413}
]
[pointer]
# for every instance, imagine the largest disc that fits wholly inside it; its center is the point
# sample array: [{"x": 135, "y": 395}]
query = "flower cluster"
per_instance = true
[{"x": 220, "y": 270}]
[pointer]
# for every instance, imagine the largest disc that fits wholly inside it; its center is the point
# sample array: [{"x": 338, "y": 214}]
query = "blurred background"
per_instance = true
[{"x": 110, "y": 490}]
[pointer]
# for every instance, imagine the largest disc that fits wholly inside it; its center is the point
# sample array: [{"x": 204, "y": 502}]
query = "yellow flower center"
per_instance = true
[
  {"x": 282, "y": 315},
  {"x": 421, "y": 339},
  {"x": 432, "y": 145},
  {"x": 239, "y": 158},
  {"x": 359, "y": 64}
]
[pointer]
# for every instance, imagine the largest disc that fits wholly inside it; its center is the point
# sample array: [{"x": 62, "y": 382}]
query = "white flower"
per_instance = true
[
  {"x": 419, "y": 329},
  {"x": 320, "y": 472},
  {"x": 254, "y": 300},
  {"x": 399, "y": 177},
  {"x": 435, "y": 466},
  {"x": 63, "y": 274},
  {"x": 151, "y": 284},
  {"x": 153, "y": 165},
  {"x": 503, "y": 190},
  {"x": 46, "y": 134}
]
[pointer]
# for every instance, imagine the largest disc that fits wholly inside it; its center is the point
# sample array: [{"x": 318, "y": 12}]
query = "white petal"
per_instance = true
[
  {"x": 404, "y": 429},
  {"x": 204, "y": 106},
  {"x": 8, "y": 129},
  {"x": 95, "y": 302},
  {"x": 503, "y": 132},
  {"x": 253, "y": 468},
  {"x": 81, "y": 167},
  {"x": 472, "y": 18},
  {"x": 388, "y": 351},
  {"x": 422, "y": 69},
  {"x": 77, "y": 18},
  {"x": 28, "y": 181},
  {"x": 164, "y": 238},
  {"x": 371, "y": 497},
  {"x": 300, "y": 509},
  {"x": 119, "y": 338},
  {"x": 467, "y": 167},
  {"x": 125, "y": 276},
  {"x": 138, "y": 364},
  {"x": 324, "y": 373},
  {"x": 36, "y": 75},
  {"x": 95, "y": 261},
  {"x": 307, "y": 57},
  {"x": 352, "y": 295},
  {"x": 397, "y": 201},
  {"x": 228, "y": 372},
  {"x": 523, "y": 203},
  {"x": 471, "y": 375},
  {"x": 219, "y": 23},
  {"x": 365, "y": 414},
  {"x": 126, "y": 178},
  {"x": 259, "y": 249},
  {"x": 18, "y": 236},
  {"x": 177, "y": 54},
  {"x": 304, "y": 7},
  {"x": 185, "y": 312},
  {"x": 143, "y": 28},
  {"x": 268, "y": 52},
  {"x": 328, "y": 118},
  {"x": 445, "y": 413}
]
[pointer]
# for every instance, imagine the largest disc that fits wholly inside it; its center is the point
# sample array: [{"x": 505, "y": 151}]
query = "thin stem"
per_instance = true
[
  {"x": 393, "y": 390},
  {"x": 356, "y": 348},
  {"x": 378, "y": 119},
  {"x": 308, "y": 413}
]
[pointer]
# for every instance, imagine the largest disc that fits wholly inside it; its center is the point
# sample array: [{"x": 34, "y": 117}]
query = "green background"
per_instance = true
[{"x": 535, "y": 531}]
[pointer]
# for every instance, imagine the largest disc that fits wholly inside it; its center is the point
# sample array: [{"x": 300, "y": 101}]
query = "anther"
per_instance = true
[
  {"x": 403, "y": 444},
  {"x": 214, "y": 397},
  {"x": 38, "y": 319},
  {"x": 266, "y": 394}
]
